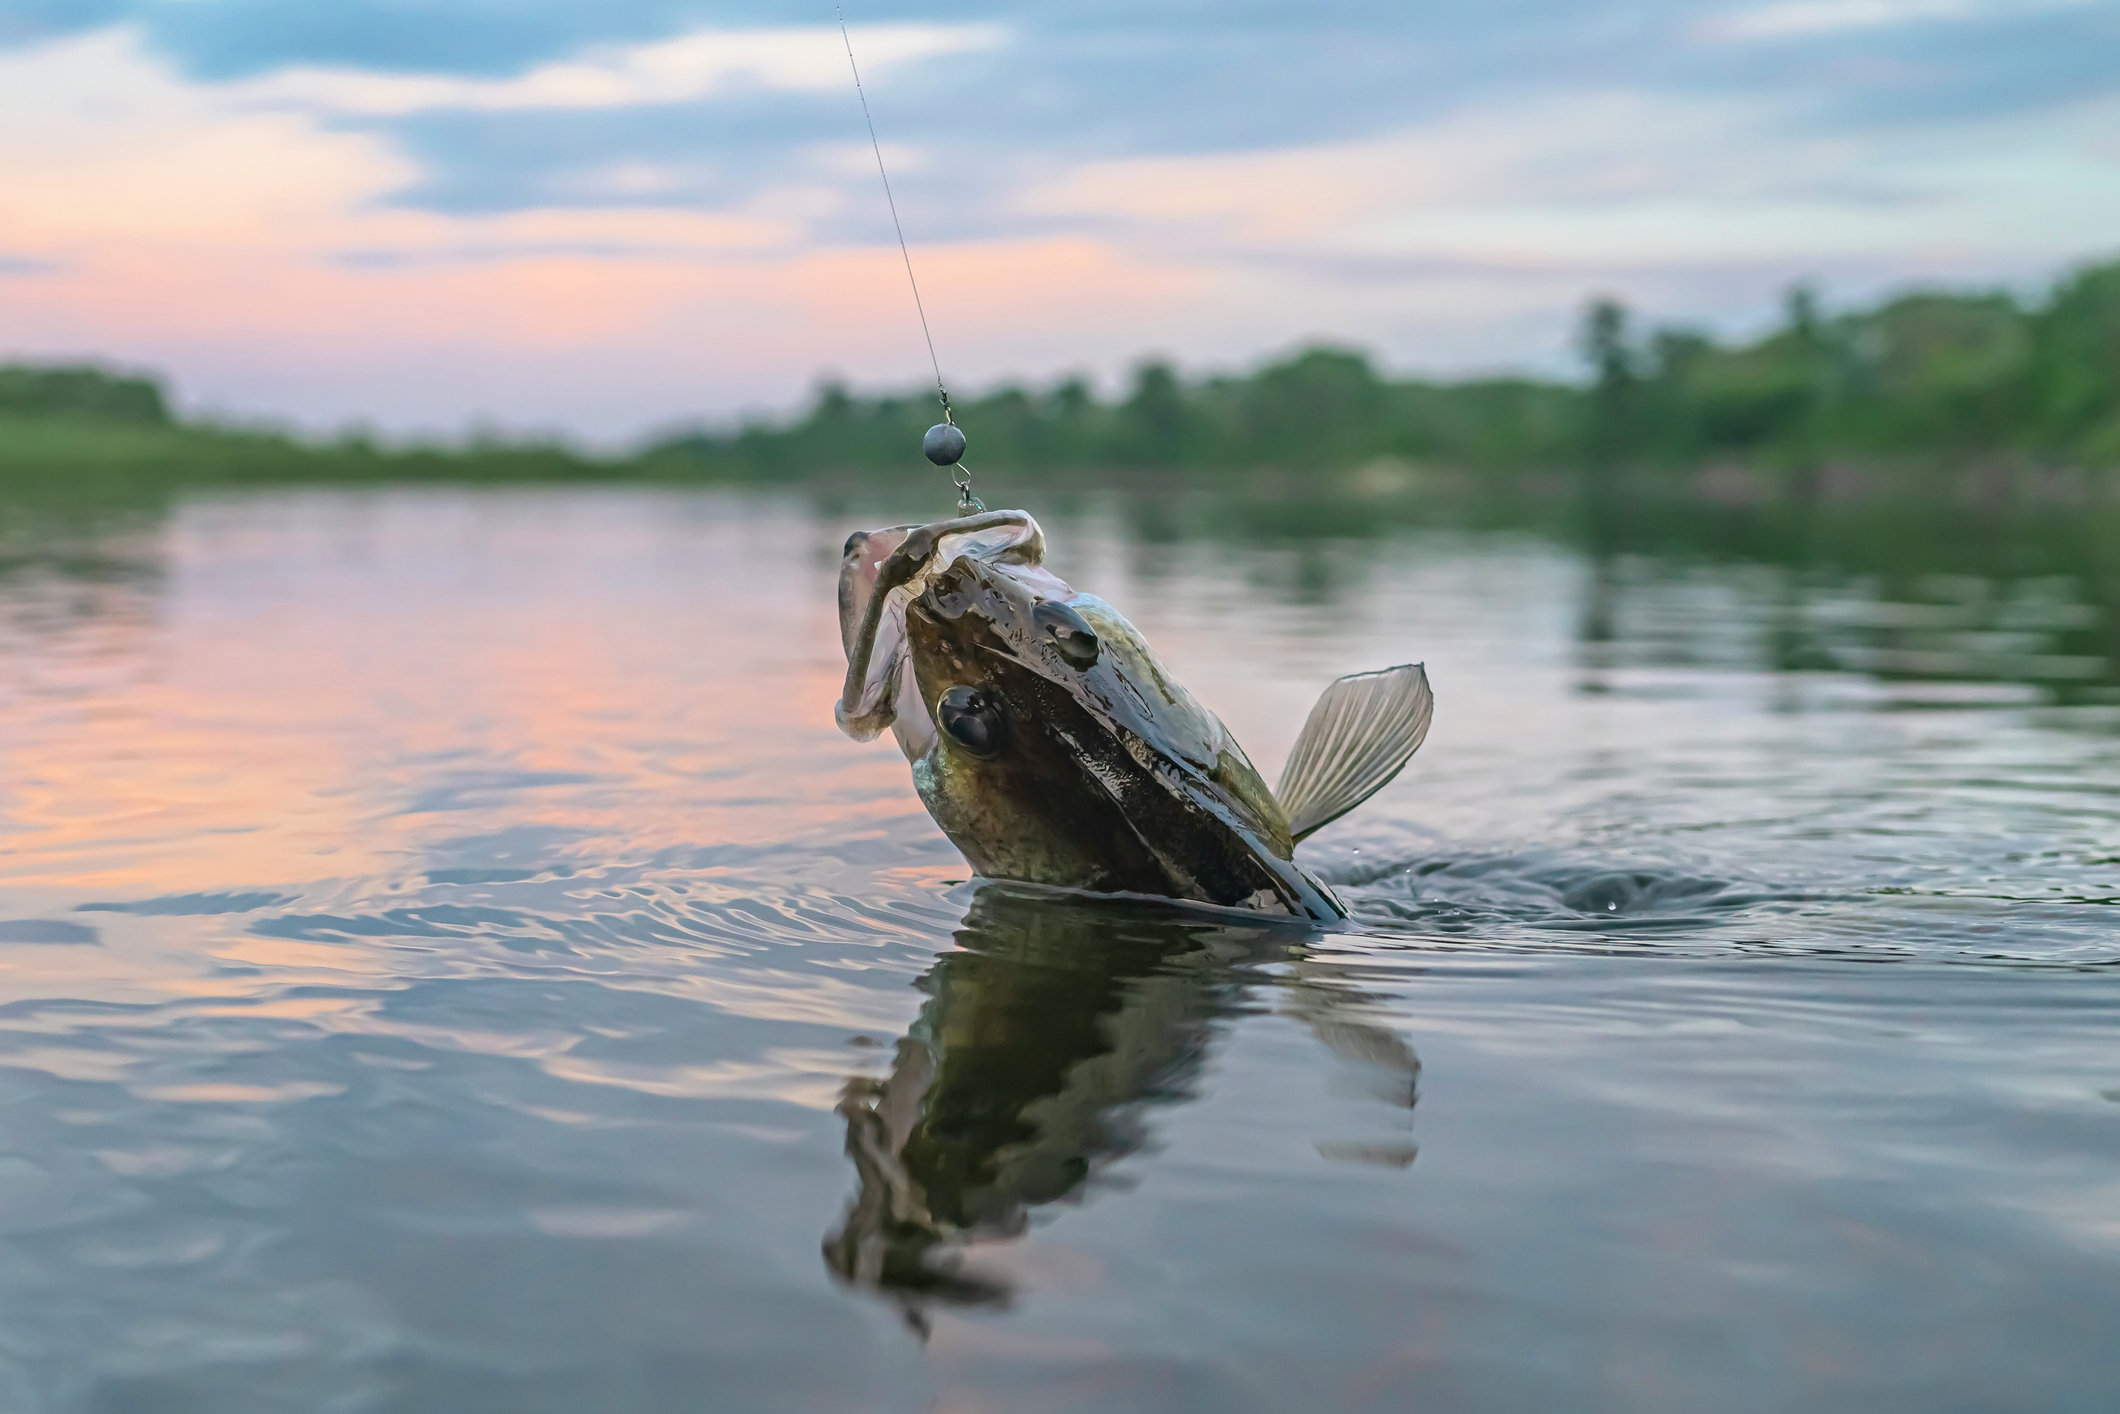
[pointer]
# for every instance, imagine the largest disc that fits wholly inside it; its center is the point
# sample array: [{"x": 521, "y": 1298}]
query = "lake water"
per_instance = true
[{"x": 449, "y": 961}]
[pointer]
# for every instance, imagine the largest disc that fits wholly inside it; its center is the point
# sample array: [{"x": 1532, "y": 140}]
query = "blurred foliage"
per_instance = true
[
  {"x": 72, "y": 445},
  {"x": 82, "y": 392},
  {"x": 1324, "y": 408},
  {"x": 73, "y": 427},
  {"x": 1926, "y": 381},
  {"x": 1936, "y": 376}
]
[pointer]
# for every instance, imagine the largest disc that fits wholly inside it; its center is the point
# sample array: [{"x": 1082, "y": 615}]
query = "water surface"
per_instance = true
[{"x": 449, "y": 961}]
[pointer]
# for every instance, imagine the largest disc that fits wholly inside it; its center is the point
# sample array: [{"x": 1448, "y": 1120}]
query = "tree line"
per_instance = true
[
  {"x": 1931, "y": 374},
  {"x": 63, "y": 424}
]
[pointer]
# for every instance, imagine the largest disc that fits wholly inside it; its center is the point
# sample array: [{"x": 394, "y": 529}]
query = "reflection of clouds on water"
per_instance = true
[
  {"x": 485, "y": 689},
  {"x": 311, "y": 683},
  {"x": 436, "y": 951},
  {"x": 1050, "y": 1036}
]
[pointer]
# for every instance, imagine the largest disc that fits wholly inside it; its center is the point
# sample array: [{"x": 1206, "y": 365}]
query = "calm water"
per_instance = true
[{"x": 450, "y": 962}]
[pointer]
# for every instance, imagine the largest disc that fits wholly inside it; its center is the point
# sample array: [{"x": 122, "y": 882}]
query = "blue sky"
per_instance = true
[{"x": 605, "y": 218}]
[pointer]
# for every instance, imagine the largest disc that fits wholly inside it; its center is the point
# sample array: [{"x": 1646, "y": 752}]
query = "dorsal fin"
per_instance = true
[{"x": 1362, "y": 732}]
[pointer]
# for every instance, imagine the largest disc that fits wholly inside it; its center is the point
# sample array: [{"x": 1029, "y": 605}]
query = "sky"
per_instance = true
[{"x": 435, "y": 216}]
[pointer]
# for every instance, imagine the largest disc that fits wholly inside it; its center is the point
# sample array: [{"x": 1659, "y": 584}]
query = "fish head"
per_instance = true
[{"x": 1046, "y": 738}]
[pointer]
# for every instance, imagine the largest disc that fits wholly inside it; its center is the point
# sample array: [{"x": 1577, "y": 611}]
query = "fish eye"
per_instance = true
[
  {"x": 973, "y": 720},
  {"x": 1069, "y": 633}
]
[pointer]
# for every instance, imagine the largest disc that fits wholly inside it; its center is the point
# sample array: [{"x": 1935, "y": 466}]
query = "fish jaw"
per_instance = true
[
  {"x": 859, "y": 561},
  {"x": 874, "y": 593}
]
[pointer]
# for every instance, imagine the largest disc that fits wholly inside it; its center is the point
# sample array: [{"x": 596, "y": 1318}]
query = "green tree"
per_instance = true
[
  {"x": 1154, "y": 420},
  {"x": 83, "y": 392}
]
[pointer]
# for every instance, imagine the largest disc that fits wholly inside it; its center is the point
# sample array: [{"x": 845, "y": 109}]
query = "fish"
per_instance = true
[{"x": 1053, "y": 748}]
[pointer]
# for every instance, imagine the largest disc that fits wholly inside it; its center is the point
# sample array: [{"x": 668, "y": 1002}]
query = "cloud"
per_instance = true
[
  {"x": 608, "y": 218},
  {"x": 100, "y": 144},
  {"x": 1794, "y": 19},
  {"x": 684, "y": 69},
  {"x": 1615, "y": 183}
]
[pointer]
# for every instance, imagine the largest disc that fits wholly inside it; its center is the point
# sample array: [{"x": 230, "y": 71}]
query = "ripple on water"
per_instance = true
[
  {"x": 1567, "y": 900},
  {"x": 520, "y": 997}
]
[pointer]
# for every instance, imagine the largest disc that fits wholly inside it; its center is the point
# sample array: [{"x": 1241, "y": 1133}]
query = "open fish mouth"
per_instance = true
[{"x": 881, "y": 573}]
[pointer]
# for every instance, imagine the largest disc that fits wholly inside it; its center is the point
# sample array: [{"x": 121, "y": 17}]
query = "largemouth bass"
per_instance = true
[{"x": 1052, "y": 747}]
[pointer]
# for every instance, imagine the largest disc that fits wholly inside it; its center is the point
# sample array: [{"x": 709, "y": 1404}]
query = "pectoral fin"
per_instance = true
[{"x": 1362, "y": 732}]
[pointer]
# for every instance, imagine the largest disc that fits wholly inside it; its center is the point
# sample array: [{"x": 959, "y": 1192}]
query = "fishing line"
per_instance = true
[{"x": 942, "y": 448}]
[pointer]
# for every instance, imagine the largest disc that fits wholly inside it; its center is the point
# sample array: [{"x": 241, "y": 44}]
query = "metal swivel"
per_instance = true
[{"x": 944, "y": 444}]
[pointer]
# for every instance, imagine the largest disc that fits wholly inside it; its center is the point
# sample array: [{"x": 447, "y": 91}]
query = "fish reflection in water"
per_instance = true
[{"x": 1050, "y": 1033}]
